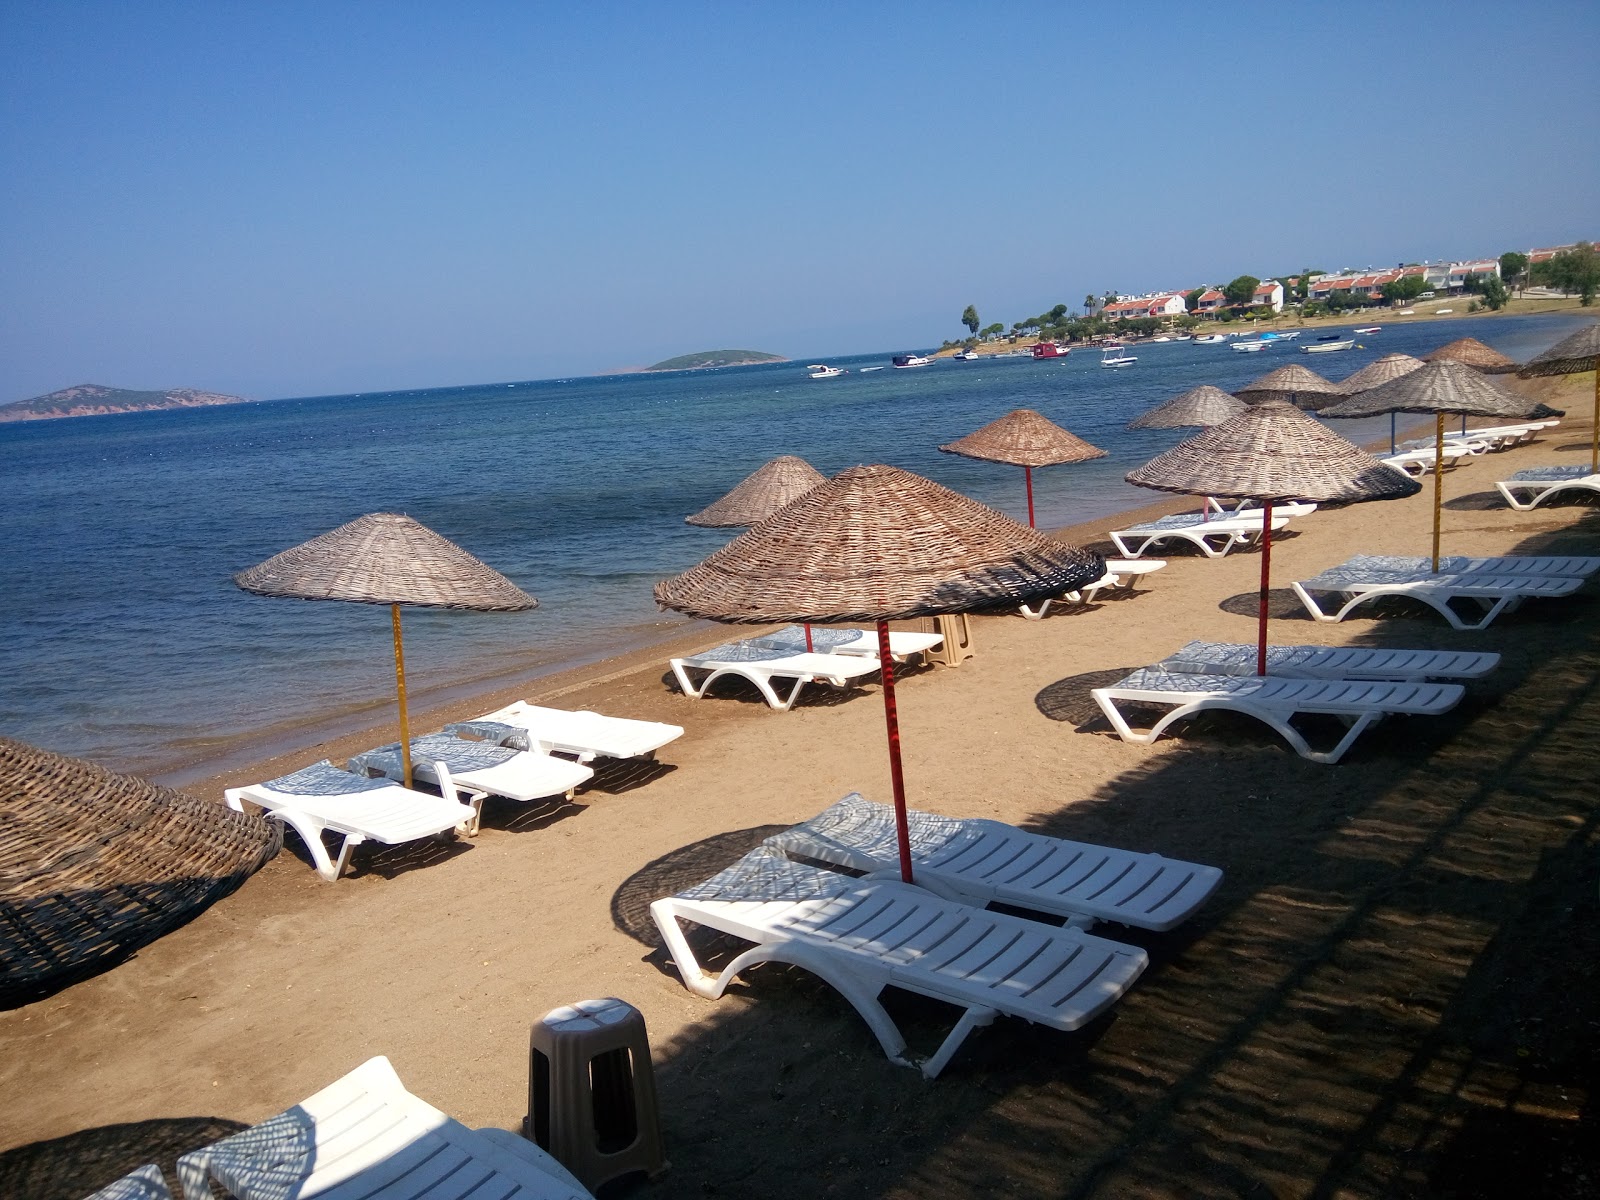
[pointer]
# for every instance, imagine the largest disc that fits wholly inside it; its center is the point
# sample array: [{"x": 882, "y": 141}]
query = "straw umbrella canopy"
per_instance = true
[
  {"x": 1292, "y": 383},
  {"x": 1272, "y": 452},
  {"x": 1390, "y": 366},
  {"x": 879, "y": 544},
  {"x": 1441, "y": 387},
  {"x": 1474, "y": 354},
  {"x": 1025, "y": 439},
  {"x": 1572, "y": 356},
  {"x": 1204, "y": 405},
  {"x": 385, "y": 558},
  {"x": 760, "y": 494}
]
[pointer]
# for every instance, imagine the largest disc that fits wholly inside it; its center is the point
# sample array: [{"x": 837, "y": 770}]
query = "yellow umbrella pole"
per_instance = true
[
  {"x": 400, "y": 687},
  {"x": 1439, "y": 480}
]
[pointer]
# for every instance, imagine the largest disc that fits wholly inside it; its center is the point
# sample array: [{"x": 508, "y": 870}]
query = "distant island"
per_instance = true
[
  {"x": 706, "y": 359},
  {"x": 96, "y": 400}
]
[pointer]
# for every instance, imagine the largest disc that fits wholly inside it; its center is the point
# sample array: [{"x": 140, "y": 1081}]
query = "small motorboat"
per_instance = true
[
  {"x": 823, "y": 371},
  {"x": 1321, "y": 346},
  {"x": 1117, "y": 356},
  {"x": 1329, "y": 337},
  {"x": 1251, "y": 347},
  {"x": 864, "y": 370},
  {"x": 909, "y": 360},
  {"x": 1209, "y": 339},
  {"x": 1369, "y": 329},
  {"x": 966, "y": 355},
  {"x": 1050, "y": 350}
]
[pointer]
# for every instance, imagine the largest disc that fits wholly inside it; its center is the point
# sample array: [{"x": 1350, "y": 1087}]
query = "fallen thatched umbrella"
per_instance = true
[
  {"x": 1446, "y": 386},
  {"x": 1390, "y": 366},
  {"x": 1294, "y": 384},
  {"x": 1204, "y": 405},
  {"x": 878, "y": 544},
  {"x": 385, "y": 558},
  {"x": 1024, "y": 439},
  {"x": 1272, "y": 452},
  {"x": 1472, "y": 353},
  {"x": 1572, "y": 356},
  {"x": 760, "y": 494}
]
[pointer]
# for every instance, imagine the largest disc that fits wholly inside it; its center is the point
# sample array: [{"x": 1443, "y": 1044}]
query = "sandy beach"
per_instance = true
[{"x": 1393, "y": 993}]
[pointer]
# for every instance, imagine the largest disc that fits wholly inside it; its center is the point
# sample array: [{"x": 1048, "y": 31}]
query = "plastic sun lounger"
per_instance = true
[
  {"x": 1580, "y": 566},
  {"x": 1122, "y": 574},
  {"x": 367, "y": 810},
  {"x": 1330, "y": 662},
  {"x": 146, "y": 1183},
  {"x": 1236, "y": 530},
  {"x": 1540, "y": 483},
  {"x": 981, "y": 862},
  {"x": 480, "y": 768},
  {"x": 589, "y": 735},
  {"x": 902, "y": 643},
  {"x": 366, "y": 1136},
  {"x": 1492, "y": 591},
  {"x": 863, "y": 935},
  {"x": 1275, "y": 702},
  {"x": 761, "y": 665},
  {"x": 1420, "y": 462}
]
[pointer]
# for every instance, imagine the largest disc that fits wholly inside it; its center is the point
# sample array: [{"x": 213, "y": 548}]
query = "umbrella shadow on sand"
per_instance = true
[
  {"x": 1068, "y": 700},
  {"x": 66, "y": 1168},
  {"x": 670, "y": 874},
  {"x": 1476, "y": 502},
  {"x": 1282, "y": 605}
]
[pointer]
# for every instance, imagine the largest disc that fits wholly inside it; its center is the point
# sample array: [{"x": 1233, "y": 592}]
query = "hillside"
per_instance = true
[
  {"x": 706, "y": 359},
  {"x": 94, "y": 400}
]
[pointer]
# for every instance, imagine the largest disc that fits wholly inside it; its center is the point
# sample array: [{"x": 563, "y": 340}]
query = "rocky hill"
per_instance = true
[
  {"x": 95, "y": 400},
  {"x": 706, "y": 359}
]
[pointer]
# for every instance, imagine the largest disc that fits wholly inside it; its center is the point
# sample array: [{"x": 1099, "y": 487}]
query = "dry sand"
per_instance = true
[{"x": 1392, "y": 994}]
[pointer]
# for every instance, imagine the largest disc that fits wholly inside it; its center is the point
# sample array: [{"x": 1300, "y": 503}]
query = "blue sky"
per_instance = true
[{"x": 281, "y": 199}]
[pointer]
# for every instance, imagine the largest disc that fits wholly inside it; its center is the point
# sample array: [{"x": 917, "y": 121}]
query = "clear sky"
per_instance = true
[{"x": 281, "y": 198}]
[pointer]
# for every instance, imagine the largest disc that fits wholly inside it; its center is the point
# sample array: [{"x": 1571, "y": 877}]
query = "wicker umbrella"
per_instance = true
[
  {"x": 1292, "y": 383},
  {"x": 1474, "y": 354},
  {"x": 878, "y": 544},
  {"x": 1204, "y": 405},
  {"x": 760, "y": 494},
  {"x": 1573, "y": 356},
  {"x": 385, "y": 558},
  {"x": 1025, "y": 439},
  {"x": 1446, "y": 386},
  {"x": 1272, "y": 452},
  {"x": 1390, "y": 366}
]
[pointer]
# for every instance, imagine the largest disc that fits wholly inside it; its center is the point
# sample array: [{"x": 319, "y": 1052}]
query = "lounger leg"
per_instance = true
[
  {"x": 1311, "y": 605},
  {"x": 311, "y": 833},
  {"x": 972, "y": 1019},
  {"x": 682, "y": 674}
]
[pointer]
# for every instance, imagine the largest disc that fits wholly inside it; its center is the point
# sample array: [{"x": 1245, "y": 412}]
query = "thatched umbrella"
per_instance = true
[
  {"x": 385, "y": 558},
  {"x": 1294, "y": 384},
  {"x": 1474, "y": 354},
  {"x": 1572, "y": 356},
  {"x": 878, "y": 544},
  {"x": 1025, "y": 439},
  {"x": 760, "y": 494},
  {"x": 1390, "y": 366},
  {"x": 1446, "y": 386},
  {"x": 1204, "y": 405},
  {"x": 1272, "y": 452}
]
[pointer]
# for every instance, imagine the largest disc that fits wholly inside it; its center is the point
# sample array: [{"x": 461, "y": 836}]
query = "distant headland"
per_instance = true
[
  {"x": 704, "y": 360},
  {"x": 96, "y": 400}
]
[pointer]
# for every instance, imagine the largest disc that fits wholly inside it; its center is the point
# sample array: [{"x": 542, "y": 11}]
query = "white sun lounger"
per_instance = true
[
  {"x": 902, "y": 643},
  {"x": 1581, "y": 566},
  {"x": 480, "y": 768},
  {"x": 1420, "y": 462},
  {"x": 1330, "y": 662},
  {"x": 366, "y": 810},
  {"x": 1213, "y": 538},
  {"x": 981, "y": 862},
  {"x": 762, "y": 665},
  {"x": 1275, "y": 702},
  {"x": 365, "y": 1136},
  {"x": 1494, "y": 592},
  {"x": 589, "y": 735},
  {"x": 1122, "y": 574},
  {"x": 861, "y": 936},
  {"x": 146, "y": 1183},
  {"x": 1538, "y": 484}
]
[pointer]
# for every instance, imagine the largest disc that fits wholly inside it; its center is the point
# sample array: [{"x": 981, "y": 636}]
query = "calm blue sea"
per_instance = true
[{"x": 126, "y": 642}]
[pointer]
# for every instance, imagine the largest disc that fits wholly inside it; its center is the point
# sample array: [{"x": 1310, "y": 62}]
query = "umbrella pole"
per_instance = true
[
  {"x": 400, "y": 687},
  {"x": 1392, "y": 418},
  {"x": 891, "y": 717},
  {"x": 1027, "y": 473},
  {"x": 1266, "y": 576},
  {"x": 1438, "y": 483},
  {"x": 809, "y": 647},
  {"x": 1594, "y": 450}
]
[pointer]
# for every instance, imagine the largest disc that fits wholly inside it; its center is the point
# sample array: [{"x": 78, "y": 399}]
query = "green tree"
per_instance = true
[
  {"x": 1575, "y": 270},
  {"x": 1089, "y": 303},
  {"x": 1512, "y": 265},
  {"x": 1191, "y": 300},
  {"x": 1405, "y": 289},
  {"x": 1241, "y": 290},
  {"x": 969, "y": 318},
  {"x": 1108, "y": 298},
  {"x": 989, "y": 331},
  {"x": 1054, "y": 316},
  {"x": 1495, "y": 293}
]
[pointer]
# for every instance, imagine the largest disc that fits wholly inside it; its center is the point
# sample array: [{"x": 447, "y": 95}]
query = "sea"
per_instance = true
[{"x": 126, "y": 641}]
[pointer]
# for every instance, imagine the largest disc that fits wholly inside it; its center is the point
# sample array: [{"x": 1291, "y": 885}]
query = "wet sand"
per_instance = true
[{"x": 1392, "y": 994}]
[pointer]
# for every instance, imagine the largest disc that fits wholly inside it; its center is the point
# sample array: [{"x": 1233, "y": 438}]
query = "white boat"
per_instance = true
[
  {"x": 966, "y": 355},
  {"x": 1440, "y": 312},
  {"x": 1252, "y": 347},
  {"x": 1161, "y": 339},
  {"x": 823, "y": 371},
  {"x": 1325, "y": 347},
  {"x": 909, "y": 360},
  {"x": 1209, "y": 339},
  {"x": 864, "y": 370},
  {"x": 1287, "y": 337},
  {"x": 1369, "y": 329},
  {"x": 1117, "y": 356}
]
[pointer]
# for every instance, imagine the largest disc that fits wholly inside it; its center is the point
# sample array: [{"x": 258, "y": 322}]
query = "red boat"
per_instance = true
[{"x": 1050, "y": 350}]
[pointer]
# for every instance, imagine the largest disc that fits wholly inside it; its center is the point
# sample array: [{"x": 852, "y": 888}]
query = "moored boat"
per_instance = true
[
  {"x": 1369, "y": 329},
  {"x": 1209, "y": 339},
  {"x": 1050, "y": 350},
  {"x": 1117, "y": 356},
  {"x": 909, "y": 360},
  {"x": 1252, "y": 347},
  {"x": 1321, "y": 347},
  {"x": 823, "y": 371}
]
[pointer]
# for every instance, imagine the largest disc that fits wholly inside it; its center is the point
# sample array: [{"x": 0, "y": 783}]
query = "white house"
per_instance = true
[{"x": 1269, "y": 295}]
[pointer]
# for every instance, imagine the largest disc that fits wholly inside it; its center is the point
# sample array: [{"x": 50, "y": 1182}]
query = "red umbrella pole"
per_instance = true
[
  {"x": 1266, "y": 576},
  {"x": 1027, "y": 473},
  {"x": 897, "y": 779},
  {"x": 809, "y": 647}
]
